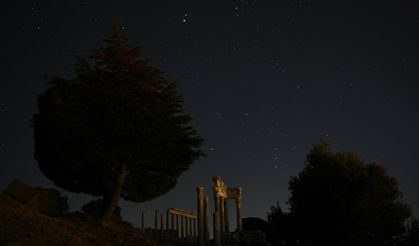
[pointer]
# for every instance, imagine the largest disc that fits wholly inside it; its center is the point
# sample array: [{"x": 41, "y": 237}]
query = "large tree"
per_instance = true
[
  {"x": 118, "y": 129},
  {"x": 339, "y": 199}
]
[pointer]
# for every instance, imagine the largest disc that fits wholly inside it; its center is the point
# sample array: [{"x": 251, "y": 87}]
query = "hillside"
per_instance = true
[{"x": 20, "y": 225}]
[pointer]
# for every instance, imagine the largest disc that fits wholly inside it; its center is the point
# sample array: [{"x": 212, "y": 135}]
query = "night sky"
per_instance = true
[{"x": 264, "y": 80}]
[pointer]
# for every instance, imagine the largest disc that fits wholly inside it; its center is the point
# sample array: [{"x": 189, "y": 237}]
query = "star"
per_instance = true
[{"x": 184, "y": 18}]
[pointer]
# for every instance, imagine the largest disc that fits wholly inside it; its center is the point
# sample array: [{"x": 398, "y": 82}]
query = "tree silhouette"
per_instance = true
[
  {"x": 255, "y": 224},
  {"x": 282, "y": 226},
  {"x": 413, "y": 232},
  {"x": 118, "y": 129},
  {"x": 338, "y": 199}
]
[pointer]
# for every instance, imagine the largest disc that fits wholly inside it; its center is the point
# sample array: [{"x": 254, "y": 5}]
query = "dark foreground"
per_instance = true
[{"x": 20, "y": 225}]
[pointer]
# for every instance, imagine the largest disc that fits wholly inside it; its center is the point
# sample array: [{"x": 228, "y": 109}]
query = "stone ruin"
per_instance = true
[
  {"x": 221, "y": 225},
  {"x": 195, "y": 227},
  {"x": 180, "y": 225}
]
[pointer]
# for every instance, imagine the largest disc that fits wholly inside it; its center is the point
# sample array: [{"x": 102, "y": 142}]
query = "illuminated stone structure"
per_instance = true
[{"x": 222, "y": 194}]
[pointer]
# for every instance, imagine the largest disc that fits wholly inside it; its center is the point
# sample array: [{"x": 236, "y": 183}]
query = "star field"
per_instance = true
[{"x": 263, "y": 80}]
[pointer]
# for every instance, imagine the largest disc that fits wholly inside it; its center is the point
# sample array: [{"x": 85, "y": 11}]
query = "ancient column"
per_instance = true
[
  {"x": 167, "y": 224},
  {"x": 186, "y": 227},
  {"x": 172, "y": 224},
  {"x": 214, "y": 227},
  {"x": 177, "y": 226},
  {"x": 190, "y": 228},
  {"x": 156, "y": 222},
  {"x": 161, "y": 225},
  {"x": 200, "y": 191},
  {"x": 217, "y": 231},
  {"x": 194, "y": 228},
  {"x": 142, "y": 221},
  {"x": 206, "y": 220},
  {"x": 182, "y": 227},
  {"x": 226, "y": 221},
  {"x": 239, "y": 209},
  {"x": 222, "y": 221}
]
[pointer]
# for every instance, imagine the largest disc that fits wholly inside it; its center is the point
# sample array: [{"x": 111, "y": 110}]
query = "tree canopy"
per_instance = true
[
  {"x": 118, "y": 129},
  {"x": 341, "y": 200}
]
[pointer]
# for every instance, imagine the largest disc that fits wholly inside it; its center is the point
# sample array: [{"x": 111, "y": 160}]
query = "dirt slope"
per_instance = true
[{"x": 19, "y": 225}]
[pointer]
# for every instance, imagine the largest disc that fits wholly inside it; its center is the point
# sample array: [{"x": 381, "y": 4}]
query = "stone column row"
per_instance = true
[
  {"x": 176, "y": 226},
  {"x": 182, "y": 226}
]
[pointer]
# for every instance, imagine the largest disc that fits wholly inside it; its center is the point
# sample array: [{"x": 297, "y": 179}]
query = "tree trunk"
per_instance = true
[{"x": 110, "y": 199}]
